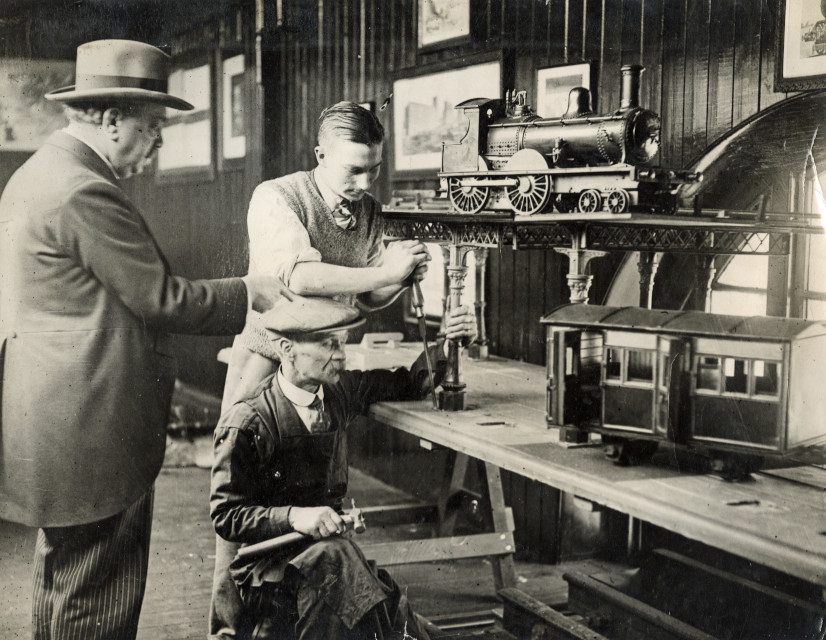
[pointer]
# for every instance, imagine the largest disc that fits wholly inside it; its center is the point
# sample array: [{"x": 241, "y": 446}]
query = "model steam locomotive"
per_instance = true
[
  {"x": 511, "y": 159},
  {"x": 737, "y": 390}
]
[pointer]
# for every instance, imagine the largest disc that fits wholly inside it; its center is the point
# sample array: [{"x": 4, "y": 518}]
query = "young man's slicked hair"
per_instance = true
[{"x": 349, "y": 121}]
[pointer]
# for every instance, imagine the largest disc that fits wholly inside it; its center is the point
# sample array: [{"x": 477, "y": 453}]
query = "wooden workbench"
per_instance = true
[{"x": 771, "y": 520}]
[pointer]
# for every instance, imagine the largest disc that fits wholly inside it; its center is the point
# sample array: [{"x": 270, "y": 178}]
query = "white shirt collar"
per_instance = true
[
  {"x": 330, "y": 198},
  {"x": 93, "y": 148},
  {"x": 298, "y": 396}
]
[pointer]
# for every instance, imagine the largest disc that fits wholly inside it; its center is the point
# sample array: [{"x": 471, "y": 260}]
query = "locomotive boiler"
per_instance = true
[
  {"x": 737, "y": 390},
  {"x": 511, "y": 159}
]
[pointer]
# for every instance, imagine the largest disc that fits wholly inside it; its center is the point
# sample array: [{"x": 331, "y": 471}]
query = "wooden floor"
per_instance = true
[{"x": 182, "y": 560}]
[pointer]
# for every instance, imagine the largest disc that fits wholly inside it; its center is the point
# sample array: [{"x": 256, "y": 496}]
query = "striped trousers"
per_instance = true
[{"x": 89, "y": 579}]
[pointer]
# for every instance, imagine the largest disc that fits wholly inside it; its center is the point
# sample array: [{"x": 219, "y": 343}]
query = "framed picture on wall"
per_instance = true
[
  {"x": 424, "y": 114},
  {"x": 26, "y": 117},
  {"x": 553, "y": 84},
  {"x": 443, "y": 23},
  {"x": 187, "y": 153},
  {"x": 233, "y": 118},
  {"x": 800, "y": 42}
]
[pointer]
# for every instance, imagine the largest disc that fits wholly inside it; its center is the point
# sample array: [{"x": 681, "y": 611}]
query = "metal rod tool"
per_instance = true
[
  {"x": 418, "y": 305},
  {"x": 352, "y": 520}
]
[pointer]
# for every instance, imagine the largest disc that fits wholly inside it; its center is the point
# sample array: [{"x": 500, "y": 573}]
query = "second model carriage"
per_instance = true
[{"x": 738, "y": 389}]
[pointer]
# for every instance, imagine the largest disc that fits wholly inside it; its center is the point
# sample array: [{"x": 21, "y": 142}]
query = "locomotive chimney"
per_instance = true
[{"x": 630, "y": 91}]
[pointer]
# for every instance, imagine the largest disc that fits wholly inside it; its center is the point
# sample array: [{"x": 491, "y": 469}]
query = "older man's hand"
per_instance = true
[{"x": 460, "y": 324}]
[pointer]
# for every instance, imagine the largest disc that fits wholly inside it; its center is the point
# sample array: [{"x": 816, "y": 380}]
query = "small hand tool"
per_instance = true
[
  {"x": 418, "y": 305},
  {"x": 353, "y": 520}
]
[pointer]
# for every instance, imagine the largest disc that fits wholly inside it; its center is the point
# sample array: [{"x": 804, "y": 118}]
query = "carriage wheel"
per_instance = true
[
  {"x": 589, "y": 201},
  {"x": 618, "y": 201},
  {"x": 735, "y": 467},
  {"x": 530, "y": 194},
  {"x": 628, "y": 453},
  {"x": 467, "y": 199}
]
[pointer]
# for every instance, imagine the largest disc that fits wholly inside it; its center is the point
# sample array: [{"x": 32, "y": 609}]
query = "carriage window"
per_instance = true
[
  {"x": 736, "y": 375},
  {"x": 708, "y": 373},
  {"x": 640, "y": 366},
  {"x": 766, "y": 376},
  {"x": 613, "y": 363}
]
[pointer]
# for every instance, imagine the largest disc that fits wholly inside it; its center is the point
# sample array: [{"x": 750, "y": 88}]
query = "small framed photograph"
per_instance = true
[
  {"x": 553, "y": 84},
  {"x": 233, "y": 108},
  {"x": 424, "y": 114},
  {"x": 26, "y": 117},
  {"x": 800, "y": 41},
  {"x": 187, "y": 153},
  {"x": 443, "y": 23}
]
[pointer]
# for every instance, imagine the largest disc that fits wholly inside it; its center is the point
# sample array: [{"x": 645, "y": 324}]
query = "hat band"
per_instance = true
[{"x": 95, "y": 81}]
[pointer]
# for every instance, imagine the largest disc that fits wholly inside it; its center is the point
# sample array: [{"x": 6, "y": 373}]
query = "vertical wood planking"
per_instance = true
[
  {"x": 651, "y": 26},
  {"x": 673, "y": 84},
  {"x": 746, "y": 59},
  {"x": 695, "y": 125},
  {"x": 768, "y": 96},
  {"x": 608, "y": 95},
  {"x": 720, "y": 68}
]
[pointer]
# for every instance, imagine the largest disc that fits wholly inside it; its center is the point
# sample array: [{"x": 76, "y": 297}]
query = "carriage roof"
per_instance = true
[{"x": 684, "y": 322}]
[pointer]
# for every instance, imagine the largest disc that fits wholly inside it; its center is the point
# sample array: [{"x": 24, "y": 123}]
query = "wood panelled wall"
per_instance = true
[{"x": 709, "y": 65}]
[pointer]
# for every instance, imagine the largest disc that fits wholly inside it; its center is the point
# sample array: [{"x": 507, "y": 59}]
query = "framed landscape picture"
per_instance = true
[
  {"x": 26, "y": 117},
  {"x": 443, "y": 23},
  {"x": 553, "y": 85},
  {"x": 424, "y": 114},
  {"x": 800, "y": 45}
]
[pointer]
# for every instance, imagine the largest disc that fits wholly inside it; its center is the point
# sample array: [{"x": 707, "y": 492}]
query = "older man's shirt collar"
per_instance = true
[{"x": 298, "y": 396}]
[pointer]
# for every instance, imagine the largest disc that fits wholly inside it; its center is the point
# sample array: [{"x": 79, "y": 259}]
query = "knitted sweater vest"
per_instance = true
[{"x": 346, "y": 248}]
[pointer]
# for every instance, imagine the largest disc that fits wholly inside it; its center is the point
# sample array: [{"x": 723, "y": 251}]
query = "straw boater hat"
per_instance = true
[
  {"x": 121, "y": 69},
  {"x": 295, "y": 316}
]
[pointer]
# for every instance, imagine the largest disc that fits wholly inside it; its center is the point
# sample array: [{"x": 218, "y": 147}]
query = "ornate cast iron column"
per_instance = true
[
  {"x": 479, "y": 349},
  {"x": 445, "y": 288},
  {"x": 647, "y": 265},
  {"x": 703, "y": 279},
  {"x": 452, "y": 395},
  {"x": 578, "y": 258}
]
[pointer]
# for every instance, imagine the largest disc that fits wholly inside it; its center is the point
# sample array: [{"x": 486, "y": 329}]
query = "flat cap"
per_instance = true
[{"x": 304, "y": 315}]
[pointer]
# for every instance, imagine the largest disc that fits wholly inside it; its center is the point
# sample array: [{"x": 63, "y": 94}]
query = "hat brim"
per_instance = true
[
  {"x": 69, "y": 94},
  {"x": 320, "y": 332}
]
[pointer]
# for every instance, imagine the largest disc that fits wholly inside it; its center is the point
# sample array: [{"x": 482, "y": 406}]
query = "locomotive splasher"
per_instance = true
[{"x": 511, "y": 159}]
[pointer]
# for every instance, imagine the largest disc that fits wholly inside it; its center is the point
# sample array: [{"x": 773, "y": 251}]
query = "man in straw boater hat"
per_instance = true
[
  {"x": 86, "y": 298},
  {"x": 281, "y": 466}
]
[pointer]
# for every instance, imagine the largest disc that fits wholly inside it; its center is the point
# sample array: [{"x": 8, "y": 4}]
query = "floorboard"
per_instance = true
[{"x": 182, "y": 559}]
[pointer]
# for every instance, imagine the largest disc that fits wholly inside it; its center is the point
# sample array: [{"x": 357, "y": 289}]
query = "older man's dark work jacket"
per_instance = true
[{"x": 266, "y": 461}]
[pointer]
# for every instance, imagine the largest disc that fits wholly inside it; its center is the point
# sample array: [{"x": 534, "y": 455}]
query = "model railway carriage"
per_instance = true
[
  {"x": 735, "y": 388},
  {"x": 510, "y": 159}
]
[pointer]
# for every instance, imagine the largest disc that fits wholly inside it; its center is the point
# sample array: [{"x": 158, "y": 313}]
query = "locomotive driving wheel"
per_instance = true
[
  {"x": 530, "y": 194},
  {"x": 467, "y": 199},
  {"x": 618, "y": 201}
]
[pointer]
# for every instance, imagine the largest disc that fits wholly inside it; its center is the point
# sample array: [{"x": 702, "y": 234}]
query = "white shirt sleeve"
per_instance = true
[{"x": 278, "y": 240}]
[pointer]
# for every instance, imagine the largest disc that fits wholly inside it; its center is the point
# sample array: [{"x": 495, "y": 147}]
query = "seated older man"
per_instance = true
[{"x": 281, "y": 466}]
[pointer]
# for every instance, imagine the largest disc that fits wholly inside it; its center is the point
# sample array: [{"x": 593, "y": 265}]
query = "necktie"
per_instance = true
[
  {"x": 320, "y": 421},
  {"x": 344, "y": 216}
]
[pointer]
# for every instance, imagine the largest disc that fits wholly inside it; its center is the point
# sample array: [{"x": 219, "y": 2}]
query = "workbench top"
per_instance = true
[{"x": 771, "y": 519}]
